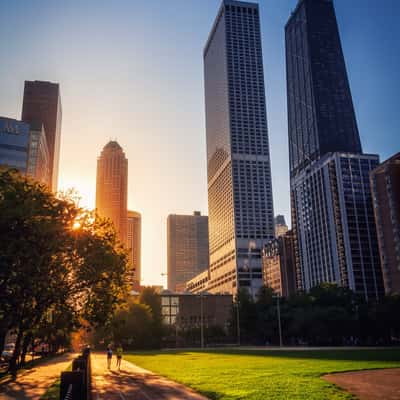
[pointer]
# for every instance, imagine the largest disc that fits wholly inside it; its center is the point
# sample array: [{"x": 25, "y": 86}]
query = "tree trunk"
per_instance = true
[
  {"x": 3, "y": 334},
  {"x": 25, "y": 344},
  {"x": 13, "y": 366}
]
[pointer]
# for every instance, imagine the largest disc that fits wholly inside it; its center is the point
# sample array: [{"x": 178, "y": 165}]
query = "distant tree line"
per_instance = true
[
  {"x": 327, "y": 315},
  {"x": 59, "y": 265},
  {"x": 136, "y": 324}
]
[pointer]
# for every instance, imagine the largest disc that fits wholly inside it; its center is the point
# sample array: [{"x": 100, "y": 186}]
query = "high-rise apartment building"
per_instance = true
[
  {"x": 238, "y": 163},
  {"x": 336, "y": 233},
  {"x": 385, "y": 184},
  {"x": 42, "y": 105},
  {"x": 134, "y": 245},
  {"x": 187, "y": 248},
  {"x": 280, "y": 226},
  {"x": 112, "y": 187},
  {"x": 321, "y": 116}
]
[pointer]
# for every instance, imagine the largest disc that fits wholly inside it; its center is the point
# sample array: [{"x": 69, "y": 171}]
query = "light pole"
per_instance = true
[
  {"x": 238, "y": 322},
  {"x": 201, "y": 320},
  {"x": 279, "y": 319}
]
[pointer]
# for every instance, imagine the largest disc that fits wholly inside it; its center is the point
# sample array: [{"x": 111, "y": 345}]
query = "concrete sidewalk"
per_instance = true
[
  {"x": 134, "y": 383},
  {"x": 33, "y": 383}
]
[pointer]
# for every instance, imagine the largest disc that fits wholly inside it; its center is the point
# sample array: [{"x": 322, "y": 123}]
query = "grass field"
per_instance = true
[{"x": 261, "y": 375}]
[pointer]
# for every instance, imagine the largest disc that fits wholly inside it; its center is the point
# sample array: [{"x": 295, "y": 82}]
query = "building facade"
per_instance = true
[
  {"x": 38, "y": 165},
  {"x": 187, "y": 311},
  {"x": 112, "y": 187},
  {"x": 279, "y": 265},
  {"x": 14, "y": 144},
  {"x": 385, "y": 184},
  {"x": 280, "y": 226},
  {"x": 134, "y": 245},
  {"x": 238, "y": 163},
  {"x": 336, "y": 231},
  {"x": 42, "y": 105},
  {"x": 187, "y": 248},
  {"x": 321, "y": 117}
]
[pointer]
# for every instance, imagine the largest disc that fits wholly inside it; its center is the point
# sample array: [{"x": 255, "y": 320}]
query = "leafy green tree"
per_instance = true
[{"x": 47, "y": 265}]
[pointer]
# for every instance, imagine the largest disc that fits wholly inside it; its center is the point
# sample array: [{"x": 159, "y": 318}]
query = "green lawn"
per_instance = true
[
  {"x": 261, "y": 375},
  {"x": 53, "y": 392}
]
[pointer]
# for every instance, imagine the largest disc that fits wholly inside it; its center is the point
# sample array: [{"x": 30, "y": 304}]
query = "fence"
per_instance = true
[{"x": 75, "y": 384}]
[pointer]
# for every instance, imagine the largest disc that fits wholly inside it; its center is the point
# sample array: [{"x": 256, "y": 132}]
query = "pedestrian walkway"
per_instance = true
[
  {"x": 134, "y": 383},
  {"x": 33, "y": 383}
]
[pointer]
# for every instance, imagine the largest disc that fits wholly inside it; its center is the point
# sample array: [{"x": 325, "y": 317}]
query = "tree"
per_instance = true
[{"x": 46, "y": 265}]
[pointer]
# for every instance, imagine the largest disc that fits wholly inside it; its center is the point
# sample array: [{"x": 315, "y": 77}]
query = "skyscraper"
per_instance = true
[
  {"x": 187, "y": 248},
  {"x": 112, "y": 187},
  {"x": 238, "y": 163},
  {"x": 385, "y": 184},
  {"x": 337, "y": 240},
  {"x": 335, "y": 235},
  {"x": 321, "y": 116},
  {"x": 42, "y": 104},
  {"x": 134, "y": 245}
]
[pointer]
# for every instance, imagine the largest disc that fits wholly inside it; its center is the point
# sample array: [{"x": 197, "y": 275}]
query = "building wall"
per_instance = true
[
  {"x": 112, "y": 187},
  {"x": 385, "y": 184},
  {"x": 185, "y": 310},
  {"x": 321, "y": 116},
  {"x": 187, "y": 249},
  {"x": 42, "y": 104},
  {"x": 239, "y": 176},
  {"x": 134, "y": 244},
  {"x": 336, "y": 230},
  {"x": 14, "y": 143},
  {"x": 38, "y": 155}
]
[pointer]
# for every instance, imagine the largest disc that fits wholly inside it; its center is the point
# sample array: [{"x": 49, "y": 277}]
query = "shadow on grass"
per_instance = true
[{"x": 339, "y": 354}]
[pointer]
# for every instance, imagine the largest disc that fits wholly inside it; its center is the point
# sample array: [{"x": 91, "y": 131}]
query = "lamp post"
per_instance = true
[
  {"x": 201, "y": 321},
  {"x": 279, "y": 318}
]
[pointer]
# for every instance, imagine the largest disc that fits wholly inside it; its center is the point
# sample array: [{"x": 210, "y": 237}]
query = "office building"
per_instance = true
[
  {"x": 279, "y": 265},
  {"x": 188, "y": 311},
  {"x": 187, "y": 248},
  {"x": 14, "y": 144},
  {"x": 38, "y": 165},
  {"x": 336, "y": 233},
  {"x": 280, "y": 226},
  {"x": 42, "y": 105},
  {"x": 238, "y": 164},
  {"x": 385, "y": 184},
  {"x": 321, "y": 117},
  {"x": 112, "y": 187},
  {"x": 134, "y": 244}
]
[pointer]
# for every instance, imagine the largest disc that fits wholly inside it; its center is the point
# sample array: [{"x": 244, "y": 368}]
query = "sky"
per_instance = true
[{"x": 132, "y": 71}]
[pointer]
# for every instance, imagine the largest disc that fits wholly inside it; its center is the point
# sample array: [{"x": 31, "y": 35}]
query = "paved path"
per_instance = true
[
  {"x": 369, "y": 385},
  {"x": 33, "y": 383},
  {"x": 134, "y": 383}
]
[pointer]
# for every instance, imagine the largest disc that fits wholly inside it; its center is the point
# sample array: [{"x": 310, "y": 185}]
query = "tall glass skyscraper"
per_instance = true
[
  {"x": 332, "y": 212},
  {"x": 42, "y": 105},
  {"x": 239, "y": 175},
  {"x": 321, "y": 116}
]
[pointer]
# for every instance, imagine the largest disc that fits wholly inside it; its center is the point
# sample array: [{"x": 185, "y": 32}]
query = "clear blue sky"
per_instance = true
[{"x": 133, "y": 70}]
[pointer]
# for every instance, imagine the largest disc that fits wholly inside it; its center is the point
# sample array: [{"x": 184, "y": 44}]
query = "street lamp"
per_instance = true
[{"x": 277, "y": 296}]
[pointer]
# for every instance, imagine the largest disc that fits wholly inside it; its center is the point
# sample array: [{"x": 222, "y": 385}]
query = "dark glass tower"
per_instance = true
[
  {"x": 239, "y": 175},
  {"x": 321, "y": 116},
  {"x": 42, "y": 105}
]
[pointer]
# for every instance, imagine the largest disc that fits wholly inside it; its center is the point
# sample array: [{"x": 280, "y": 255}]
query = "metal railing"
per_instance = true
[{"x": 76, "y": 384}]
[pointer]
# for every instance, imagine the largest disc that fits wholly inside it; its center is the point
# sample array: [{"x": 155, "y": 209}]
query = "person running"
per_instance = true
[
  {"x": 109, "y": 357},
  {"x": 119, "y": 357}
]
